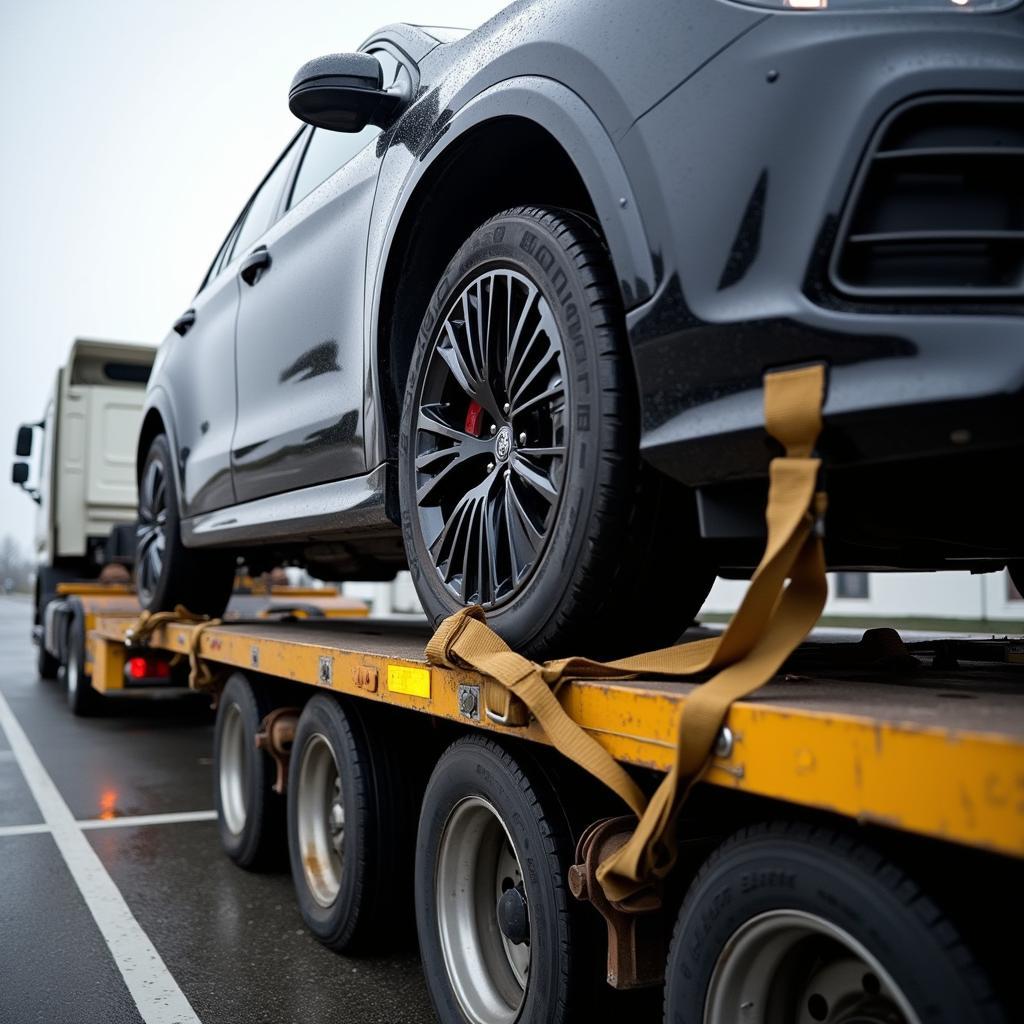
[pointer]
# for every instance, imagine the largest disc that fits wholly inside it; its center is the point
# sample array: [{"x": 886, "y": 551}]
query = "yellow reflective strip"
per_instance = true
[{"x": 413, "y": 681}]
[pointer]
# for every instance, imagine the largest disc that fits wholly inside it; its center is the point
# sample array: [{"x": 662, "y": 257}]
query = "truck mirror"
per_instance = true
[
  {"x": 23, "y": 446},
  {"x": 19, "y": 472}
]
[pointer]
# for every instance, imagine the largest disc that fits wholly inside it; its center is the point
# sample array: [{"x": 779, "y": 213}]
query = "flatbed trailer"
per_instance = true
[
  {"x": 72, "y": 617},
  {"x": 856, "y": 755}
]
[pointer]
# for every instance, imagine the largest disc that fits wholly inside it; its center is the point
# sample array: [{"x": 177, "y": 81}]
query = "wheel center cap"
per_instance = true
[{"x": 503, "y": 443}]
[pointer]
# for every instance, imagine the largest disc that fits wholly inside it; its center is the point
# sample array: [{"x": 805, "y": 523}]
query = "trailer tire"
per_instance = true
[
  {"x": 474, "y": 967},
  {"x": 250, "y": 815},
  {"x": 349, "y": 829},
  {"x": 802, "y": 922},
  {"x": 82, "y": 698},
  {"x": 47, "y": 665}
]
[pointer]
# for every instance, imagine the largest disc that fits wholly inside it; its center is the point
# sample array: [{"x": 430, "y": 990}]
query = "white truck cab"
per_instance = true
[{"x": 78, "y": 464}]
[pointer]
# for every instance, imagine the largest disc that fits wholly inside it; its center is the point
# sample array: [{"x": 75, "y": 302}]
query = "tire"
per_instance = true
[
  {"x": 359, "y": 900},
  {"x": 82, "y": 698},
  {"x": 250, "y": 815},
  {"x": 166, "y": 572},
  {"x": 490, "y": 822},
  {"x": 809, "y": 925},
  {"x": 47, "y": 665},
  {"x": 533, "y": 501}
]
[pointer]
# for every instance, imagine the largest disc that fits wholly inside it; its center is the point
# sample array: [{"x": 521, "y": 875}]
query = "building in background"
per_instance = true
[{"x": 987, "y": 598}]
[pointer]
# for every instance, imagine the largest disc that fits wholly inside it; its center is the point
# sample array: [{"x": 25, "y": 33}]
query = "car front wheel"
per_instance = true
[{"x": 521, "y": 484}]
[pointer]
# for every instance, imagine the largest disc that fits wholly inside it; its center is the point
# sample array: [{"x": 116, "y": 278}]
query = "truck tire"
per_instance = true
[
  {"x": 47, "y": 665},
  {"x": 82, "y": 698},
  {"x": 804, "y": 924},
  {"x": 167, "y": 573},
  {"x": 500, "y": 935},
  {"x": 250, "y": 815},
  {"x": 349, "y": 829},
  {"x": 522, "y": 488}
]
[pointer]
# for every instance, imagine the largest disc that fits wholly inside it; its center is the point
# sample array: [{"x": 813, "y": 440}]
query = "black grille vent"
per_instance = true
[{"x": 937, "y": 212}]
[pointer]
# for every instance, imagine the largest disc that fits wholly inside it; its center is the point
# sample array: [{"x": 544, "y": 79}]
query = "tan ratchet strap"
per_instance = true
[{"x": 770, "y": 623}]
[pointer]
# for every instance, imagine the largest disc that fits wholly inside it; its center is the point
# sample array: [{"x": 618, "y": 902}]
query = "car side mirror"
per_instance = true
[
  {"x": 19, "y": 473},
  {"x": 343, "y": 92},
  {"x": 23, "y": 445}
]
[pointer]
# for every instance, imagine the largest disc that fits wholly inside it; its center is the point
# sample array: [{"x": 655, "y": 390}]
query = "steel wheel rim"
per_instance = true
[
  {"x": 488, "y": 974},
  {"x": 151, "y": 530},
  {"x": 491, "y": 438},
  {"x": 321, "y": 820},
  {"x": 233, "y": 769},
  {"x": 71, "y": 674},
  {"x": 791, "y": 967}
]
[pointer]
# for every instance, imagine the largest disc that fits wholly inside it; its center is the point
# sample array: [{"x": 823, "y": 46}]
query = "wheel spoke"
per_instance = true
[
  {"x": 548, "y": 395},
  {"x": 556, "y": 450},
  {"x": 534, "y": 478},
  {"x": 515, "y": 336},
  {"x": 518, "y": 390}
]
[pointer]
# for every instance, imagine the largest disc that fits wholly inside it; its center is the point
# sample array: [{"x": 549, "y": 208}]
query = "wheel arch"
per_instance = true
[
  {"x": 157, "y": 420},
  {"x": 556, "y": 154}
]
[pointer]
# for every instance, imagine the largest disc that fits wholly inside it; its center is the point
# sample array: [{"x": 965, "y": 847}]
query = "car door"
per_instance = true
[
  {"x": 300, "y": 323},
  {"x": 200, "y": 364}
]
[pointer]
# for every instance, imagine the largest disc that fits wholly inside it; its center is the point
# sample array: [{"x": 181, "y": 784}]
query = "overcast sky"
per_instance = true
[{"x": 133, "y": 131}]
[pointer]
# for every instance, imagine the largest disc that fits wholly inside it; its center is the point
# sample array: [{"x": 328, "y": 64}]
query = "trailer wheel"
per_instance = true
[
  {"x": 82, "y": 698},
  {"x": 349, "y": 832},
  {"x": 46, "y": 664},
  {"x": 250, "y": 815},
  {"x": 796, "y": 924},
  {"x": 497, "y": 926}
]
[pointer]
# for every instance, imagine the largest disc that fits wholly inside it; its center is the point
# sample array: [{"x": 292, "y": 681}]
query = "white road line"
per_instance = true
[
  {"x": 128, "y": 821},
  {"x": 24, "y": 830},
  {"x": 157, "y": 996}
]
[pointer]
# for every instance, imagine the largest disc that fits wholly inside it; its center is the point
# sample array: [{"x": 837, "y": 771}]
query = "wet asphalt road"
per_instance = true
[{"x": 233, "y": 941}]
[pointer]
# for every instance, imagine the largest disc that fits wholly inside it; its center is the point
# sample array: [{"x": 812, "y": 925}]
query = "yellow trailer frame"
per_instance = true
[
  {"x": 117, "y": 603},
  {"x": 936, "y": 752}
]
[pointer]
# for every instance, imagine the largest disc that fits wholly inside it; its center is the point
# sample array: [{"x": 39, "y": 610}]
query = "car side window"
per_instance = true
[
  {"x": 327, "y": 151},
  {"x": 262, "y": 209}
]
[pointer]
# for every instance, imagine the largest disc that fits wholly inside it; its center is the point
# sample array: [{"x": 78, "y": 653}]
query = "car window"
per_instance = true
[
  {"x": 327, "y": 151},
  {"x": 263, "y": 205}
]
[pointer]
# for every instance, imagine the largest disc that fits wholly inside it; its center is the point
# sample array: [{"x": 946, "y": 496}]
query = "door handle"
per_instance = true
[
  {"x": 184, "y": 322},
  {"x": 254, "y": 265}
]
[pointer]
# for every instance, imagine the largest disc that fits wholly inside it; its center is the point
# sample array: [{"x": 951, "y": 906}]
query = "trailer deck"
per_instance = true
[{"x": 927, "y": 738}]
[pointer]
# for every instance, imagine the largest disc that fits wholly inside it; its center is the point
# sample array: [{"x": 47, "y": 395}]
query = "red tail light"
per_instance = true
[{"x": 141, "y": 667}]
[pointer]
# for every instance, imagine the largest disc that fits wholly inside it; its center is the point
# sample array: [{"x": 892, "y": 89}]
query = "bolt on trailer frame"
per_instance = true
[{"x": 925, "y": 739}]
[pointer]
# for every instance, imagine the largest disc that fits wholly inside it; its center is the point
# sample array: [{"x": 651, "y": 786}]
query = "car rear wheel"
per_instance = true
[
  {"x": 168, "y": 574},
  {"x": 521, "y": 484}
]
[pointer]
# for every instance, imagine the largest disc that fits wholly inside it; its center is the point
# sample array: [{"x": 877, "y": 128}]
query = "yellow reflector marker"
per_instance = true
[{"x": 414, "y": 681}]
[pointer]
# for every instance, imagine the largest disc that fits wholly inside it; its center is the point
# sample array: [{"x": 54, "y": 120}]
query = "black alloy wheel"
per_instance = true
[
  {"x": 168, "y": 574},
  {"x": 491, "y": 437},
  {"x": 521, "y": 484},
  {"x": 151, "y": 530}
]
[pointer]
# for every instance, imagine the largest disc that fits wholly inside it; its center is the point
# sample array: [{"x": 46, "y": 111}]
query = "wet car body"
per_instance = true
[{"x": 718, "y": 146}]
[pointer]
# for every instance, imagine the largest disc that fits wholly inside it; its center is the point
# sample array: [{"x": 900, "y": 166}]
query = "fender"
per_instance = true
[
  {"x": 565, "y": 116},
  {"x": 158, "y": 399}
]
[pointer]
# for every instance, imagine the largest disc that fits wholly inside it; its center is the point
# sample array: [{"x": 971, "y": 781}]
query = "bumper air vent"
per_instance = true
[{"x": 937, "y": 211}]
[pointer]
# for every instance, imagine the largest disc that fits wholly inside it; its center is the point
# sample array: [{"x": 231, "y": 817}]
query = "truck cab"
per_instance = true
[{"x": 78, "y": 464}]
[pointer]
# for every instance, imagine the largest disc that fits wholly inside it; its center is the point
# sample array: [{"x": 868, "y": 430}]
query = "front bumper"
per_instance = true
[{"x": 743, "y": 173}]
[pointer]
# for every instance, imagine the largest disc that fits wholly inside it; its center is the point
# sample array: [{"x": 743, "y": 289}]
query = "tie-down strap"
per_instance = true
[{"x": 771, "y": 622}]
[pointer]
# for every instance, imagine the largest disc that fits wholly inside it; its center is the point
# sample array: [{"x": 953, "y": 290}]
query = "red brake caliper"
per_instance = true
[{"x": 474, "y": 418}]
